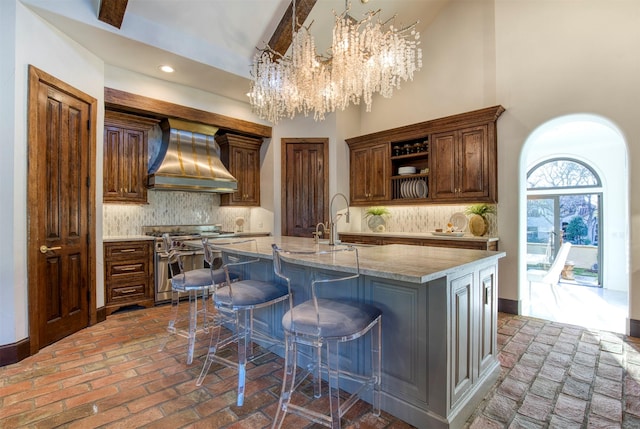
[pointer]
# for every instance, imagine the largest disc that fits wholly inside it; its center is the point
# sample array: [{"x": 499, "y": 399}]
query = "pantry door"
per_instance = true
[
  {"x": 61, "y": 214},
  {"x": 305, "y": 185}
]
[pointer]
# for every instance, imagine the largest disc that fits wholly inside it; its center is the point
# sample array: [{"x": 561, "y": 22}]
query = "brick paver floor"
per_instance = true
[{"x": 112, "y": 375}]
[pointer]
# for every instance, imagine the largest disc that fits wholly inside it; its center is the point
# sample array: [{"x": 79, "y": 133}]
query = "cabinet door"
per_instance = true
[
  {"x": 241, "y": 155},
  {"x": 444, "y": 170},
  {"x": 487, "y": 342},
  {"x": 359, "y": 172},
  {"x": 113, "y": 136},
  {"x": 133, "y": 166},
  {"x": 378, "y": 177},
  {"x": 369, "y": 174},
  {"x": 125, "y": 157},
  {"x": 473, "y": 169},
  {"x": 462, "y": 336},
  {"x": 251, "y": 177}
]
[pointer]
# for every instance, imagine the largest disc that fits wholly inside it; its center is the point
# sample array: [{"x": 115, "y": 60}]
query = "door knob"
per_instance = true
[{"x": 45, "y": 249}]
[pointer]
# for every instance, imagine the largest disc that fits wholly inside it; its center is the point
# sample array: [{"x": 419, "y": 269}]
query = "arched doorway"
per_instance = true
[{"x": 591, "y": 146}]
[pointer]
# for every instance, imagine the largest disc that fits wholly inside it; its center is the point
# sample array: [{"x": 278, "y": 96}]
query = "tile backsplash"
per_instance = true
[
  {"x": 425, "y": 218},
  {"x": 186, "y": 208},
  {"x": 171, "y": 208}
]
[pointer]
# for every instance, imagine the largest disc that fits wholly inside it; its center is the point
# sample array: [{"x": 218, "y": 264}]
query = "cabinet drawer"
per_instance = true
[
  {"x": 130, "y": 250},
  {"x": 132, "y": 291},
  {"x": 116, "y": 269}
]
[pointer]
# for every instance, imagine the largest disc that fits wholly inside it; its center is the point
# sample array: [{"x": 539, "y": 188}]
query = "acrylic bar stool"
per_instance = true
[
  {"x": 326, "y": 323},
  {"x": 235, "y": 303},
  {"x": 197, "y": 284}
]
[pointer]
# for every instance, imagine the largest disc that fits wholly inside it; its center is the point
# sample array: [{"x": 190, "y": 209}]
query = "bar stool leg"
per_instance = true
[
  {"x": 243, "y": 343},
  {"x": 334, "y": 388},
  {"x": 171, "y": 327},
  {"x": 288, "y": 381},
  {"x": 376, "y": 365},
  {"x": 193, "y": 324}
]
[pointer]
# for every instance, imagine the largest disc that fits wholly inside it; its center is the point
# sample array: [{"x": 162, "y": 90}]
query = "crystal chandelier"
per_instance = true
[{"x": 366, "y": 57}]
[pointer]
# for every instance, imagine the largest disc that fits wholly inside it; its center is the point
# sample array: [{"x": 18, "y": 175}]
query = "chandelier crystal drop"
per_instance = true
[{"x": 366, "y": 57}]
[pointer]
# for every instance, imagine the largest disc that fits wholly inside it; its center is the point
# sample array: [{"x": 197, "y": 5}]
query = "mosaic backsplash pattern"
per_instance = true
[
  {"x": 171, "y": 208},
  {"x": 425, "y": 219},
  {"x": 185, "y": 208}
]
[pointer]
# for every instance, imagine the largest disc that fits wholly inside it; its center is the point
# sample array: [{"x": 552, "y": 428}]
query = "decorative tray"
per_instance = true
[{"x": 448, "y": 234}]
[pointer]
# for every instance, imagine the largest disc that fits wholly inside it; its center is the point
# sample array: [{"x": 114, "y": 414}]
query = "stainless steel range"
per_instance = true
[{"x": 193, "y": 257}]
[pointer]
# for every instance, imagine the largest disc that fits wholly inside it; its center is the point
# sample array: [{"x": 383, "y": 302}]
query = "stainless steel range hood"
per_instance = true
[{"x": 188, "y": 159}]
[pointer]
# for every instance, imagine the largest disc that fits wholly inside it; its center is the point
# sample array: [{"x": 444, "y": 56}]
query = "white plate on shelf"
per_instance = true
[
  {"x": 421, "y": 188},
  {"x": 459, "y": 221},
  {"x": 448, "y": 234},
  {"x": 403, "y": 190}
]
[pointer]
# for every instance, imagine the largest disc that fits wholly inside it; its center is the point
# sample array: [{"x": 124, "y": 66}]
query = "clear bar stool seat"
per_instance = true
[
  {"x": 197, "y": 285},
  {"x": 324, "y": 323},
  {"x": 235, "y": 302}
]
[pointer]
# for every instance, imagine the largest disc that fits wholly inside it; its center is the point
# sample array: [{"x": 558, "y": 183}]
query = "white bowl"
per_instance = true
[{"x": 406, "y": 170}]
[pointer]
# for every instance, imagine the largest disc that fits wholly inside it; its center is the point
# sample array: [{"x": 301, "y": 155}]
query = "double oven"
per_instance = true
[{"x": 192, "y": 255}]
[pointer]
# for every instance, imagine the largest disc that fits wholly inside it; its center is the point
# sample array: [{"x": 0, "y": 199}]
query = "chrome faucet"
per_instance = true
[
  {"x": 332, "y": 221},
  {"x": 318, "y": 233}
]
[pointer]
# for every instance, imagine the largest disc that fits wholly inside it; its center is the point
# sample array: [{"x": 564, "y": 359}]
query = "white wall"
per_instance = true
[{"x": 49, "y": 50}]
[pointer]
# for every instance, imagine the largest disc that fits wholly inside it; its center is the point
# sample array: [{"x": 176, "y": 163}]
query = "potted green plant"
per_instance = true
[
  {"x": 376, "y": 218},
  {"x": 478, "y": 224}
]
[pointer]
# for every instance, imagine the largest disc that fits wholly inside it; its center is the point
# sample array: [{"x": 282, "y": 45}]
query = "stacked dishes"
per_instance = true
[
  {"x": 414, "y": 188},
  {"x": 403, "y": 171}
]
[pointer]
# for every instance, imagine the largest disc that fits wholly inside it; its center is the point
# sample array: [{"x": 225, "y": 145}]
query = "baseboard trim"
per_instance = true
[
  {"x": 634, "y": 328},
  {"x": 12, "y": 353},
  {"x": 510, "y": 306},
  {"x": 101, "y": 314}
]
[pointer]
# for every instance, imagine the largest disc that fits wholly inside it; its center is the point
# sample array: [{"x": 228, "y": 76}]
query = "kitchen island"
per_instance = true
[{"x": 439, "y": 355}]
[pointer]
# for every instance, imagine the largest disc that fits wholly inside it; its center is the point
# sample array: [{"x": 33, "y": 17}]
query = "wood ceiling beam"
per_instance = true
[
  {"x": 112, "y": 11},
  {"x": 281, "y": 38}
]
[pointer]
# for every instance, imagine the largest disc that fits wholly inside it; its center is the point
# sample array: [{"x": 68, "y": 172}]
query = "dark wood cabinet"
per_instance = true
[
  {"x": 125, "y": 158},
  {"x": 241, "y": 155},
  {"x": 128, "y": 278},
  {"x": 460, "y": 162},
  {"x": 369, "y": 180},
  {"x": 458, "y": 243},
  {"x": 454, "y": 159}
]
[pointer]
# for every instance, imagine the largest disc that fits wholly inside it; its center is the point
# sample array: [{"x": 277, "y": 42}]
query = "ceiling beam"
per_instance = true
[
  {"x": 112, "y": 11},
  {"x": 281, "y": 38}
]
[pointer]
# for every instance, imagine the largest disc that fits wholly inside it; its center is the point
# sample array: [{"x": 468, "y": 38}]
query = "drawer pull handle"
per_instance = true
[
  {"x": 129, "y": 268},
  {"x": 130, "y": 290},
  {"x": 127, "y": 250}
]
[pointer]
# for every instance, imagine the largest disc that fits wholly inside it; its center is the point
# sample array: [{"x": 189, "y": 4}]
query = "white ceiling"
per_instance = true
[{"x": 210, "y": 43}]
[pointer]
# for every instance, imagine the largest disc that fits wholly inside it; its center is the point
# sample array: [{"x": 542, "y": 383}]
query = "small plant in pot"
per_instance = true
[
  {"x": 376, "y": 218},
  {"x": 478, "y": 224}
]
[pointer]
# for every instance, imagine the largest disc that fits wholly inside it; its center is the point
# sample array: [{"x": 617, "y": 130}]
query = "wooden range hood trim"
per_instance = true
[{"x": 115, "y": 99}]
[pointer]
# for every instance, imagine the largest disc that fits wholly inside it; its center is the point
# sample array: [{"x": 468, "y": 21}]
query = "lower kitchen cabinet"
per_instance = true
[
  {"x": 457, "y": 243},
  {"x": 128, "y": 274}
]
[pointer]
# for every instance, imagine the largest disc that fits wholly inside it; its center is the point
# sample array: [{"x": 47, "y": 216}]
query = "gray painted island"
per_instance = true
[{"x": 439, "y": 355}]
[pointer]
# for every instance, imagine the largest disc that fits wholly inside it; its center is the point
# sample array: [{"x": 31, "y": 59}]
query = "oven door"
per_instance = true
[{"x": 190, "y": 261}]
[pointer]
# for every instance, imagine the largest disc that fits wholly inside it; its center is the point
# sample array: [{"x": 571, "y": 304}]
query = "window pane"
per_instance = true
[{"x": 561, "y": 173}]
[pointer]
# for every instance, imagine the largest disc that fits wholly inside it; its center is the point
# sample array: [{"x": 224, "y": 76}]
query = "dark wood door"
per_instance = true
[
  {"x": 444, "y": 173},
  {"x": 474, "y": 163},
  {"x": 61, "y": 196},
  {"x": 305, "y": 185}
]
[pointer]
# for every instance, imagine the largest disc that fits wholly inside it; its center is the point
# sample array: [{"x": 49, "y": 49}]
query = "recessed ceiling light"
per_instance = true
[{"x": 166, "y": 69}]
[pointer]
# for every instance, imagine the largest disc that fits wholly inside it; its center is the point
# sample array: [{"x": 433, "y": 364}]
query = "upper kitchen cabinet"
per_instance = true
[
  {"x": 446, "y": 160},
  {"x": 241, "y": 155},
  {"x": 368, "y": 182},
  {"x": 125, "y": 157},
  {"x": 464, "y": 165}
]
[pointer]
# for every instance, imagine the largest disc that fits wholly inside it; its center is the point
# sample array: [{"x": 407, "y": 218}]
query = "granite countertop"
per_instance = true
[
  {"x": 413, "y": 264},
  {"x": 421, "y": 235}
]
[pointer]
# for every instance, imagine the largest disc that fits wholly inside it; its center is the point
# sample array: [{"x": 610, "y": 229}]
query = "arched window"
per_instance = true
[{"x": 562, "y": 173}]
